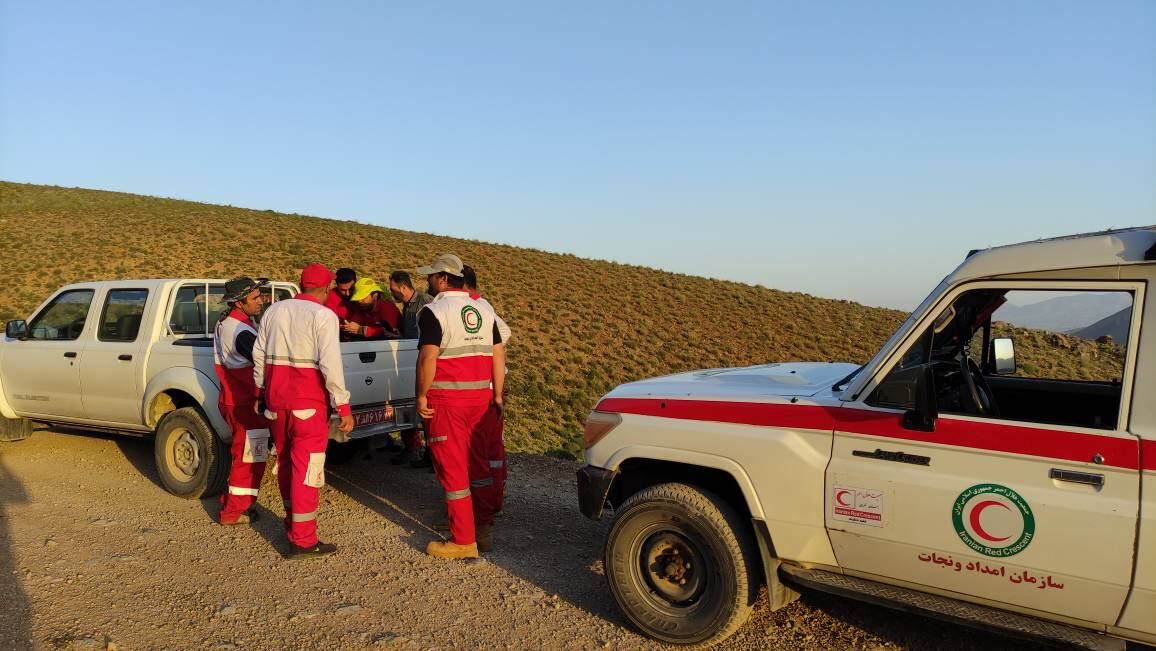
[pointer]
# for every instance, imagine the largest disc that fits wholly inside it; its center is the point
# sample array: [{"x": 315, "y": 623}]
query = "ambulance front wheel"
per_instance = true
[
  {"x": 681, "y": 564},
  {"x": 192, "y": 461}
]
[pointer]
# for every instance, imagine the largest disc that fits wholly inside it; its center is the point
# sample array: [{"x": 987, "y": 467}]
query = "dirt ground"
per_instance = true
[{"x": 94, "y": 554}]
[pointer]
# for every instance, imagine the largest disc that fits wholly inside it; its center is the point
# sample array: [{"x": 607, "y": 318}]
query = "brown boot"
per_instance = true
[
  {"x": 450, "y": 549},
  {"x": 484, "y": 535}
]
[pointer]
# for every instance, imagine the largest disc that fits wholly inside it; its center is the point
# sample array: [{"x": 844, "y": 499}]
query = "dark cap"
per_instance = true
[{"x": 240, "y": 287}]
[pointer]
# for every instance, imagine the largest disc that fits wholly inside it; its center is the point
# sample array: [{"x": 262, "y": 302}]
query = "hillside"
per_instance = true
[{"x": 580, "y": 326}]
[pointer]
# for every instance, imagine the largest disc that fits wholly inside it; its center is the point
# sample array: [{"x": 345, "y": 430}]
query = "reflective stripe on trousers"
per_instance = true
[
  {"x": 303, "y": 517},
  {"x": 457, "y": 495},
  {"x": 239, "y": 490}
]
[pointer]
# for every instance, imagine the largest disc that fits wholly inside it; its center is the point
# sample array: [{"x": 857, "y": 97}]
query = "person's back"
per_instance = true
[{"x": 299, "y": 347}]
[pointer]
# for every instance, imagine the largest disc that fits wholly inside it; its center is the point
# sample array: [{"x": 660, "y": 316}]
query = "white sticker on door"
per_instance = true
[{"x": 858, "y": 505}]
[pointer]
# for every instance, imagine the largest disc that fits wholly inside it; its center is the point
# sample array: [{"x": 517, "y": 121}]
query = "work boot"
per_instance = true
[
  {"x": 247, "y": 517},
  {"x": 317, "y": 551},
  {"x": 450, "y": 549},
  {"x": 484, "y": 538}
]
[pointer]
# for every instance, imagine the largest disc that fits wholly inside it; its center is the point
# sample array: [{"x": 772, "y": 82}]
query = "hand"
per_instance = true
[
  {"x": 259, "y": 406},
  {"x": 497, "y": 404},
  {"x": 423, "y": 408},
  {"x": 351, "y": 328},
  {"x": 346, "y": 425}
]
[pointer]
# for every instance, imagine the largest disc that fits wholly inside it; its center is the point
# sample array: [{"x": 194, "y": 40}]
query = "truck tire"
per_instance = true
[
  {"x": 15, "y": 429},
  {"x": 191, "y": 460},
  {"x": 681, "y": 564}
]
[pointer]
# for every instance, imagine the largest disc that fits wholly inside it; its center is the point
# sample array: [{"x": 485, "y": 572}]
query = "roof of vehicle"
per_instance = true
[
  {"x": 156, "y": 282},
  {"x": 1109, "y": 248}
]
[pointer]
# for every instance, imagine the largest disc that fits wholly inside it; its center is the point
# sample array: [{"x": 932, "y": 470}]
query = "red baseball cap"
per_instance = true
[{"x": 316, "y": 275}]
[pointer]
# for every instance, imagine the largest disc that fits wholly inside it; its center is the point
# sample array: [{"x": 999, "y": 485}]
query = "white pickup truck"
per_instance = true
[
  {"x": 944, "y": 476},
  {"x": 136, "y": 356}
]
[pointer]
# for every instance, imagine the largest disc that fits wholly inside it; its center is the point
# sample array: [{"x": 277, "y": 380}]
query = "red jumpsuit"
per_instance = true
[
  {"x": 297, "y": 365},
  {"x": 460, "y": 395},
  {"x": 382, "y": 312},
  {"x": 233, "y": 362},
  {"x": 490, "y": 436}
]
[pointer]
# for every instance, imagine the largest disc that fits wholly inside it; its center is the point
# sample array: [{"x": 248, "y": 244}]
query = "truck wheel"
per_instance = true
[
  {"x": 191, "y": 460},
  {"x": 15, "y": 429},
  {"x": 681, "y": 564}
]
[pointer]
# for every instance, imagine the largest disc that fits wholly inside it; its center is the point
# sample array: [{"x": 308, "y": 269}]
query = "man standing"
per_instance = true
[
  {"x": 298, "y": 372},
  {"x": 412, "y": 301},
  {"x": 401, "y": 288},
  {"x": 338, "y": 298},
  {"x": 369, "y": 317},
  {"x": 458, "y": 379},
  {"x": 233, "y": 362}
]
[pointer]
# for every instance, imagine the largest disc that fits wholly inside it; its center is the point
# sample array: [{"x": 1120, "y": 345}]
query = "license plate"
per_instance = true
[{"x": 373, "y": 417}]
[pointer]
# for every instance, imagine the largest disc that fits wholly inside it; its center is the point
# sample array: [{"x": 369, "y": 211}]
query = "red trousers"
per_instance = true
[
  {"x": 491, "y": 446},
  {"x": 462, "y": 470},
  {"x": 249, "y": 450},
  {"x": 301, "y": 439}
]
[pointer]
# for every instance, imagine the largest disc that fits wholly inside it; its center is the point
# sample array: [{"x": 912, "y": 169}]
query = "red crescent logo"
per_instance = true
[
  {"x": 974, "y": 519},
  {"x": 839, "y": 497}
]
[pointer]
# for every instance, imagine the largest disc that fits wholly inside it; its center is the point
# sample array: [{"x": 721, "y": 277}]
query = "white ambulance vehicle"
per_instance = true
[{"x": 945, "y": 476}]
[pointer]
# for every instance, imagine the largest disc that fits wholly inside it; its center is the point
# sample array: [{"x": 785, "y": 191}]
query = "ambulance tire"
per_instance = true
[
  {"x": 192, "y": 461},
  {"x": 682, "y": 564}
]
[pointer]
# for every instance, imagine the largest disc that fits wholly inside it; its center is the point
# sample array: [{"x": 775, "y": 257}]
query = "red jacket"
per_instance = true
[
  {"x": 336, "y": 302},
  {"x": 383, "y": 312}
]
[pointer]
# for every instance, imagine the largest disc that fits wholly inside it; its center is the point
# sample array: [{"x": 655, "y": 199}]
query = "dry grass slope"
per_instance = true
[{"x": 580, "y": 326}]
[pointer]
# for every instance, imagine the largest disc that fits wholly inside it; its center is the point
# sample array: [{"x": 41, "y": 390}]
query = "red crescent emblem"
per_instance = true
[
  {"x": 839, "y": 497},
  {"x": 974, "y": 519}
]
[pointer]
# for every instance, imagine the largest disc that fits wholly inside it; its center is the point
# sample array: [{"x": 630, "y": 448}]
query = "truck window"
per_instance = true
[
  {"x": 1070, "y": 349},
  {"x": 63, "y": 318},
  {"x": 196, "y": 309},
  {"x": 121, "y": 316}
]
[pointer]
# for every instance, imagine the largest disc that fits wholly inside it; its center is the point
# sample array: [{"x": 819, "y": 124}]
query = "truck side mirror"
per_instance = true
[
  {"x": 17, "y": 329},
  {"x": 921, "y": 417},
  {"x": 1003, "y": 352}
]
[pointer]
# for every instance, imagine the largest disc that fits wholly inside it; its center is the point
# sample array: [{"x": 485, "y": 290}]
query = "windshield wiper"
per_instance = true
[{"x": 838, "y": 386}]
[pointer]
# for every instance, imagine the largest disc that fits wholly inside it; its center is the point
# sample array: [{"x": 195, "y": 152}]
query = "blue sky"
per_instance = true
[{"x": 846, "y": 149}]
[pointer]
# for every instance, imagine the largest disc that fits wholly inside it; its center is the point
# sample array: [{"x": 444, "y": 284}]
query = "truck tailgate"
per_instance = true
[{"x": 377, "y": 372}]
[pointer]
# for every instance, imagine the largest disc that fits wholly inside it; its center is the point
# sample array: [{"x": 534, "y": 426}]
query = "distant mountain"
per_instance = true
[
  {"x": 1065, "y": 313},
  {"x": 1115, "y": 326}
]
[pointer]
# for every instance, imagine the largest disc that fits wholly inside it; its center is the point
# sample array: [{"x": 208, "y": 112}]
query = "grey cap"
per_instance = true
[{"x": 448, "y": 263}]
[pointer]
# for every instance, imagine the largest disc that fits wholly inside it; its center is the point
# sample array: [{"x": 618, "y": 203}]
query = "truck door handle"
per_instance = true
[
  {"x": 124, "y": 358},
  {"x": 1076, "y": 477},
  {"x": 367, "y": 358},
  {"x": 70, "y": 354}
]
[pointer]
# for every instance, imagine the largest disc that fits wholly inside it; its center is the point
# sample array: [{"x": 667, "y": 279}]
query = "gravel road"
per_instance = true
[{"x": 94, "y": 554}]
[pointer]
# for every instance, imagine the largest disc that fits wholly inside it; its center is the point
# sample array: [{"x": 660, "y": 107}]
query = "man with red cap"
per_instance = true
[
  {"x": 233, "y": 362},
  {"x": 459, "y": 377},
  {"x": 299, "y": 377}
]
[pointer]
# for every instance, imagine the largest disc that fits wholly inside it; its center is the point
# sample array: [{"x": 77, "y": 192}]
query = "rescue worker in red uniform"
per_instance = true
[
  {"x": 459, "y": 378},
  {"x": 370, "y": 316},
  {"x": 491, "y": 434},
  {"x": 338, "y": 298},
  {"x": 233, "y": 361},
  {"x": 298, "y": 372}
]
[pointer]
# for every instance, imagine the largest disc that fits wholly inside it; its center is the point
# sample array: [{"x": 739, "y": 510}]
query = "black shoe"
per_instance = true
[{"x": 317, "y": 551}]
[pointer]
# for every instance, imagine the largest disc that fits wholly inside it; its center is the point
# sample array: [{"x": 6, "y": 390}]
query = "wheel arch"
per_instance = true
[
  {"x": 183, "y": 386},
  {"x": 637, "y": 469}
]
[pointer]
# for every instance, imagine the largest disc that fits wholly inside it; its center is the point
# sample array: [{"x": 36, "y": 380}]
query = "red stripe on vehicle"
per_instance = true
[
  {"x": 998, "y": 437},
  {"x": 1148, "y": 454},
  {"x": 742, "y": 413}
]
